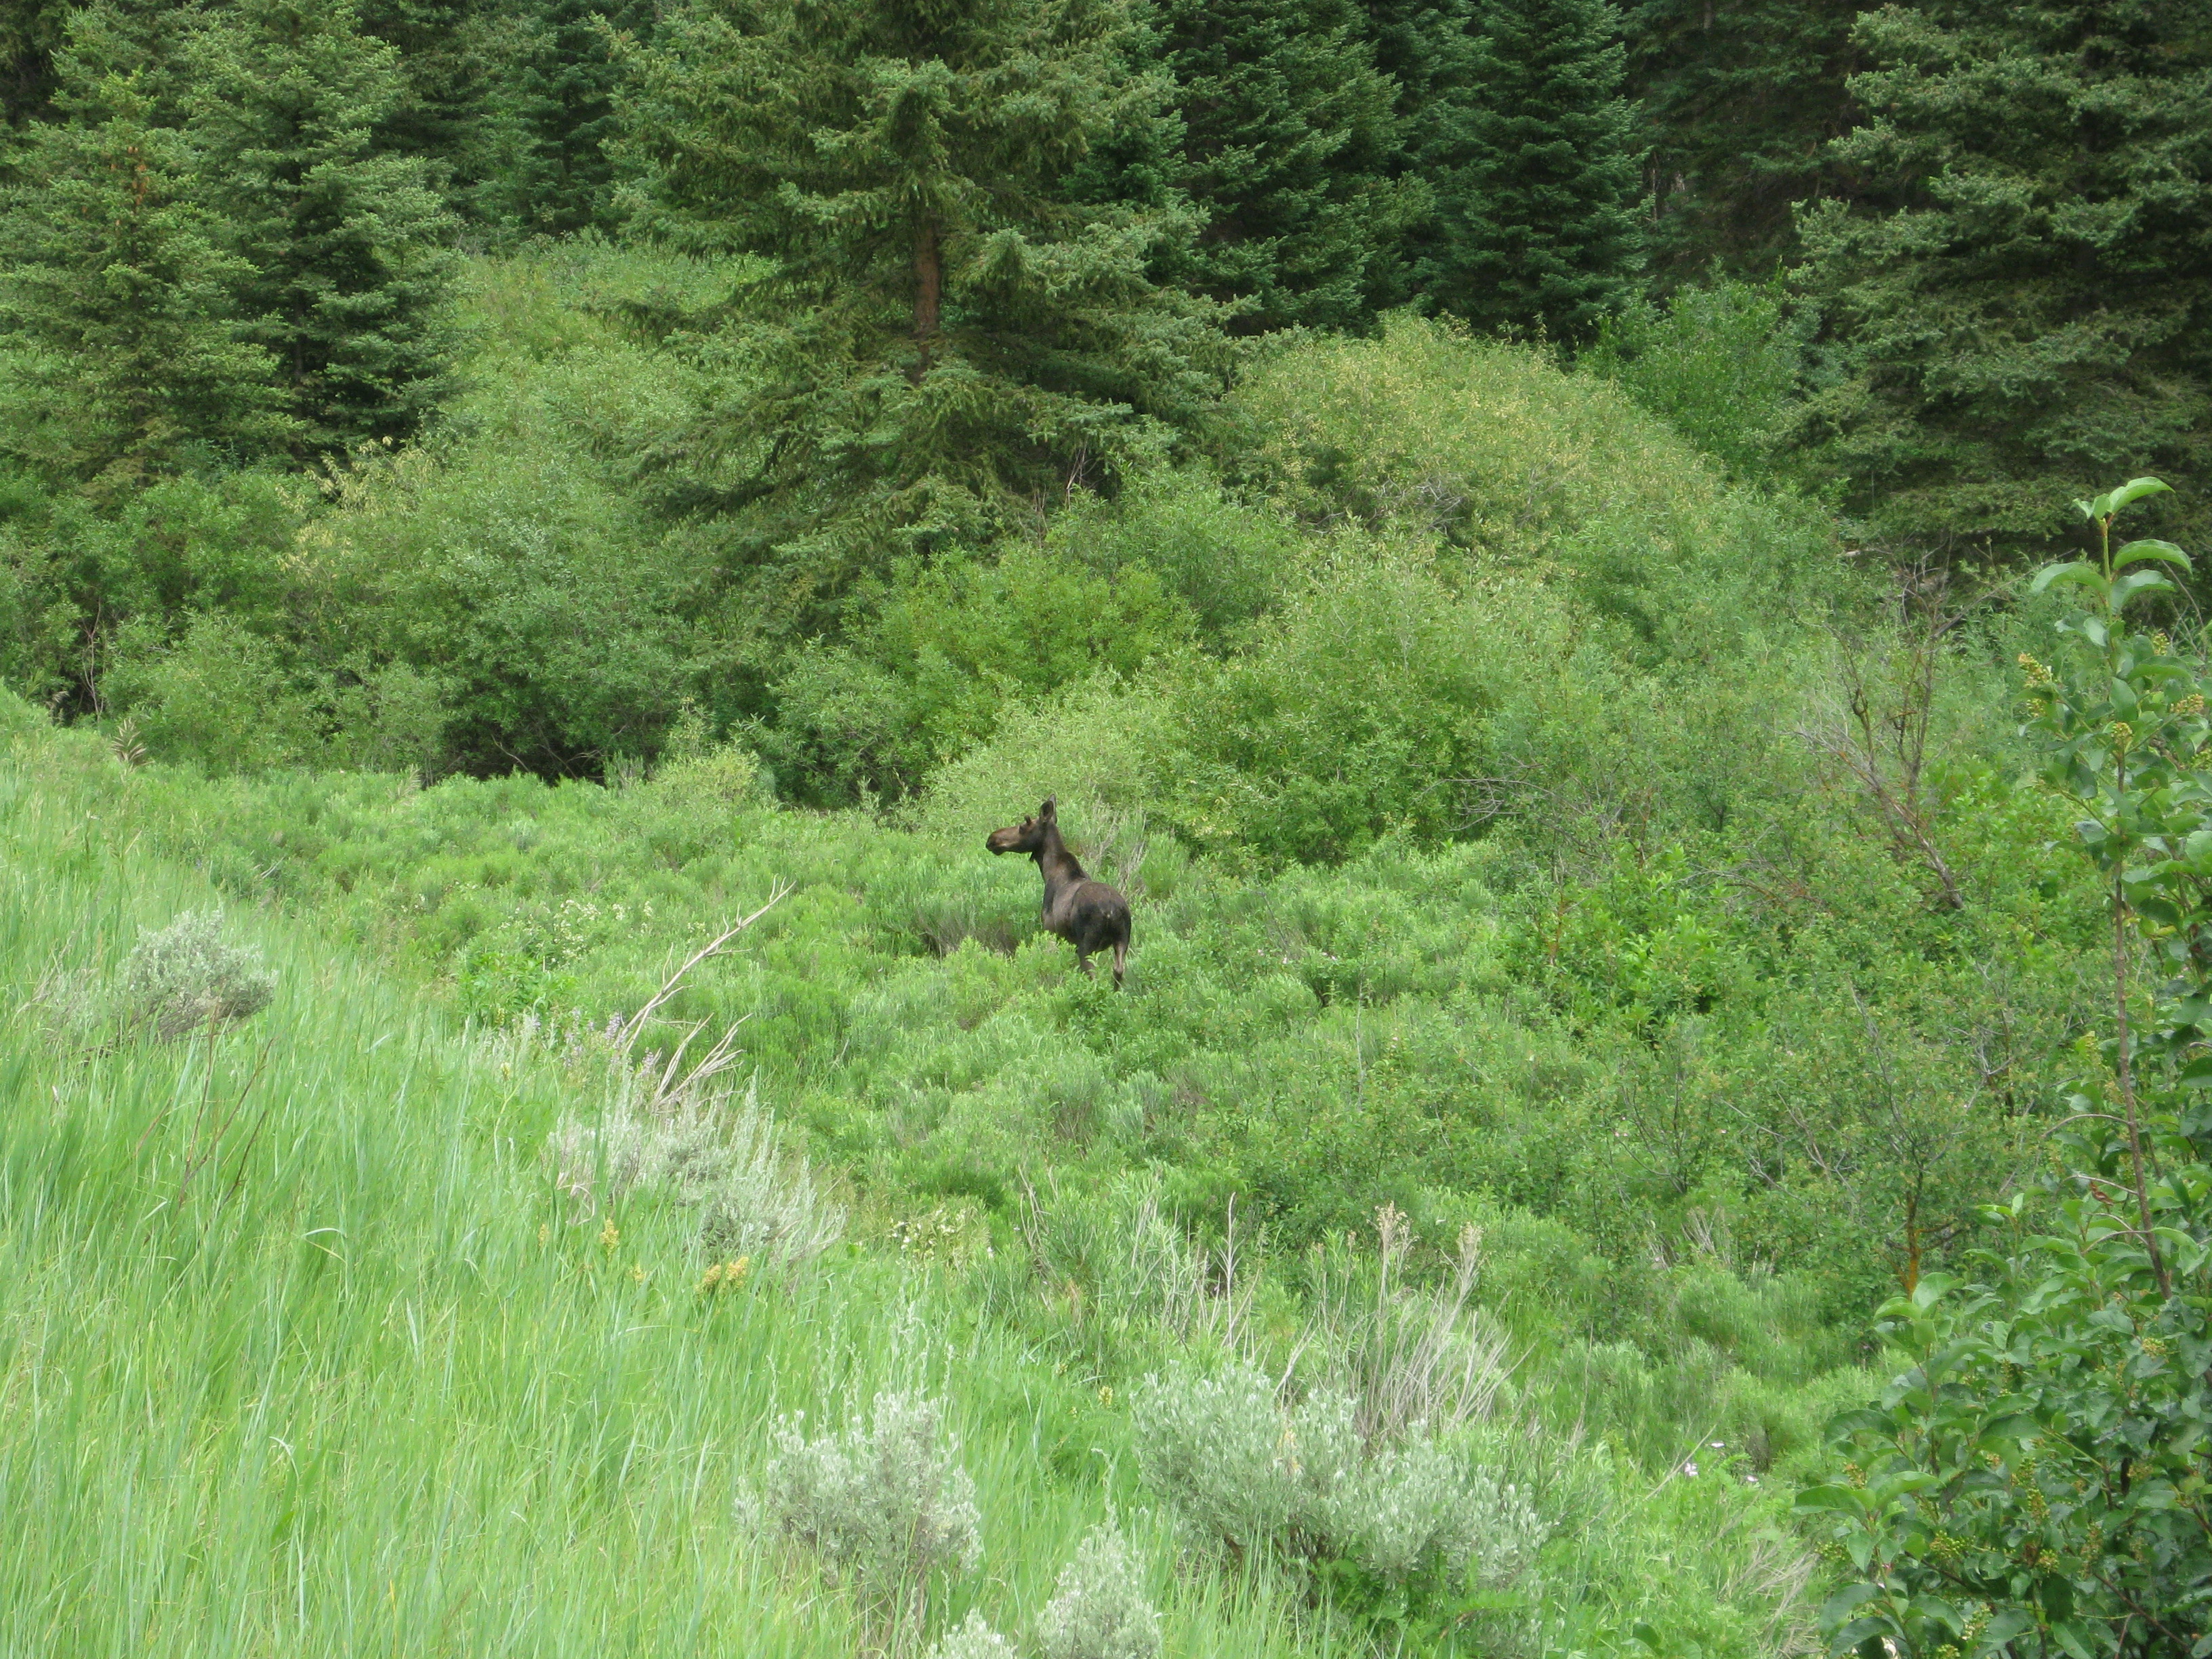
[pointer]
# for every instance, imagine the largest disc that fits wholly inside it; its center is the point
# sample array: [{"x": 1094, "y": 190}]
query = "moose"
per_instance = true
[{"x": 1088, "y": 914}]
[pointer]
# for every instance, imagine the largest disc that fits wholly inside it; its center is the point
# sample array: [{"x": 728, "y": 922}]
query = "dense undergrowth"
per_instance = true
[{"x": 1581, "y": 911}]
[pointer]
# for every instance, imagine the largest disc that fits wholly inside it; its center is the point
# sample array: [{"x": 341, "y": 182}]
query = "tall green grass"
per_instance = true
[{"x": 299, "y": 1354}]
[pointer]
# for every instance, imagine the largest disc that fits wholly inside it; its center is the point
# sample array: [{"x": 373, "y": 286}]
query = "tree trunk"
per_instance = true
[{"x": 929, "y": 290}]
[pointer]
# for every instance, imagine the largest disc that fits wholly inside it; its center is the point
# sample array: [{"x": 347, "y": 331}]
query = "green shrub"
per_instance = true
[
  {"x": 1363, "y": 707},
  {"x": 1720, "y": 364},
  {"x": 1227, "y": 560},
  {"x": 219, "y": 694},
  {"x": 884, "y": 1505},
  {"x": 187, "y": 977},
  {"x": 1098, "y": 1610},
  {"x": 1246, "y": 1475}
]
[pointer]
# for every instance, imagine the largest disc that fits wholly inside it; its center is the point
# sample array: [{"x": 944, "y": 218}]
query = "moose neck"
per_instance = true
[{"x": 1056, "y": 863}]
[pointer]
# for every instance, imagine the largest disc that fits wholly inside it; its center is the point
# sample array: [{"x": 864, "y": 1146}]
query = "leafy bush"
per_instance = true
[
  {"x": 1363, "y": 707},
  {"x": 1720, "y": 364},
  {"x": 884, "y": 1506},
  {"x": 2035, "y": 1483},
  {"x": 221, "y": 694},
  {"x": 187, "y": 977},
  {"x": 1098, "y": 1610}
]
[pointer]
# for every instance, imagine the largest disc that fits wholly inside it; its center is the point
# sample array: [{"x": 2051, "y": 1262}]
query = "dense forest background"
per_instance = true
[{"x": 1943, "y": 266}]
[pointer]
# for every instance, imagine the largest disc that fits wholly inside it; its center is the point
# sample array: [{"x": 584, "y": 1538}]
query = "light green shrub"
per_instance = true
[
  {"x": 1098, "y": 1609},
  {"x": 884, "y": 1506},
  {"x": 972, "y": 1639},
  {"x": 1720, "y": 364},
  {"x": 1247, "y": 1474},
  {"x": 187, "y": 977},
  {"x": 219, "y": 694},
  {"x": 1227, "y": 560}
]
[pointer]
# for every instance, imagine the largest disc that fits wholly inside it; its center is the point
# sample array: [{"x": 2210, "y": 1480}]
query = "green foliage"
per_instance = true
[
  {"x": 1301, "y": 1485},
  {"x": 219, "y": 693},
  {"x": 885, "y": 1504},
  {"x": 188, "y": 977},
  {"x": 1286, "y": 148},
  {"x": 1739, "y": 104},
  {"x": 1098, "y": 1608},
  {"x": 1540, "y": 228},
  {"x": 950, "y": 646},
  {"x": 2034, "y": 1483},
  {"x": 943, "y": 338},
  {"x": 2033, "y": 314},
  {"x": 1361, "y": 707},
  {"x": 547, "y": 113},
  {"x": 342, "y": 241},
  {"x": 125, "y": 353},
  {"x": 1721, "y": 364}
]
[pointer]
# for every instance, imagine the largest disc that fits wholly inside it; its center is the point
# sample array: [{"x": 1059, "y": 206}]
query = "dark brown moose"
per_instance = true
[{"x": 1088, "y": 914}]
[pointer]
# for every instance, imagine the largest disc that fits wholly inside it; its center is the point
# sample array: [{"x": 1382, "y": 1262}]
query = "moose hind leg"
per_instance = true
[
  {"x": 1083, "y": 961},
  {"x": 1120, "y": 960}
]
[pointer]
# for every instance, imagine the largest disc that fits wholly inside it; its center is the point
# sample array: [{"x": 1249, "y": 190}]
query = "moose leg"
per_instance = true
[
  {"x": 1083, "y": 961},
  {"x": 1121, "y": 959}
]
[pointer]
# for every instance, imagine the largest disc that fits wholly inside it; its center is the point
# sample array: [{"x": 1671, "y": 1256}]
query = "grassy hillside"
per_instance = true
[
  {"x": 305, "y": 1355},
  {"x": 1591, "y": 947}
]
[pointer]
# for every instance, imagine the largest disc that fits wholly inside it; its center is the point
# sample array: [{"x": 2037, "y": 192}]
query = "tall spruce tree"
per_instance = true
[
  {"x": 1290, "y": 137},
  {"x": 346, "y": 243},
  {"x": 1543, "y": 223},
  {"x": 2038, "y": 316},
  {"x": 944, "y": 335},
  {"x": 1739, "y": 103},
  {"x": 1427, "y": 49},
  {"x": 124, "y": 356},
  {"x": 537, "y": 159}
]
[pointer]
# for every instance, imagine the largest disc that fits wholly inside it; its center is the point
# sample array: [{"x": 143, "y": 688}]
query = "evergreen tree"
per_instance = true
[
  {"x": 1289, "y": 138},
  {"x": 30, "y": 32},
  {"x": 2038, "y": 316},
  {"x": 124, "y": 354},
  {"x": 943, "y": 337},
  {"x": 537, "y": 156},
  {"x": 1739, "y": 101},
  {"x": 1544, "y": 227},
  {"x": 444, "y": 78},
  {"x": 1427, "y": 49},
  {"x": 346, "y": 242}
]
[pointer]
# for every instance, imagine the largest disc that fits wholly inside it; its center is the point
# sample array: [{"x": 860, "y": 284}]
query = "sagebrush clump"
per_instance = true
[
  {"x": 973, "y": 1638},
  {"x": 884, "y": 1505},
  {"x": 1250, "y": 1475},
  {"x": 187, "y": 977},
  {"x": 1098, "y": 1610},
  {"x": 705, "y": 1152}
]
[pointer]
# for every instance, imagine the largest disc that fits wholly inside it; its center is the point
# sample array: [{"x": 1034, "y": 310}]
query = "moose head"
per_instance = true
[{"x": 1031, "y": 833}]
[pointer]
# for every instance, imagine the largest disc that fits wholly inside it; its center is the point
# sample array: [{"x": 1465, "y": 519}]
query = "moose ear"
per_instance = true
[{"x": 1047, "y": 808}]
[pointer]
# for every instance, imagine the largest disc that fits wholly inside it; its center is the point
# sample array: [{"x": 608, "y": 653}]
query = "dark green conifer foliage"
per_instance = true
[
  {"x": 347, "y": 243},
  {"x": 444, "y": 78},
  {"x": 943, "y": 339},
  {"x": 1739, "y": 102},
  {"x": 1289, "y": 138},
  {"x": 1427, "y": 49},
  {"x": 2038, "y": 316},
  {"x": 539, "y": 162},
  {"x": 1545, "y": 225},
  {"x": 30, "y": 32},
  {"x": 122, "y": 355}
]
